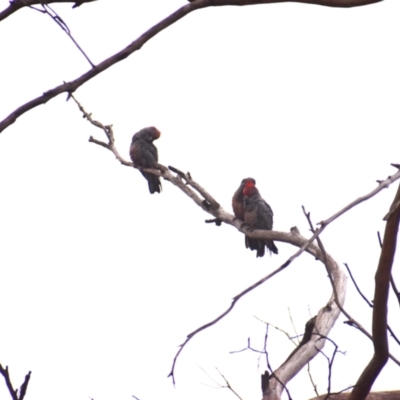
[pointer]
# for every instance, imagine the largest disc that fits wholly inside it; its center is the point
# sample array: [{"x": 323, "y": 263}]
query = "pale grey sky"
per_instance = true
[{"x": 100, "y": 281}]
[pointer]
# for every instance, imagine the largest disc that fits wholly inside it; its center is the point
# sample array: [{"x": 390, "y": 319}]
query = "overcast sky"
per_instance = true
[{"x": 101, "y": 281}]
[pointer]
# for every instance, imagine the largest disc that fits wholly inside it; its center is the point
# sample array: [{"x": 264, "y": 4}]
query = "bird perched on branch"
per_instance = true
[
  {"x": 238, "y": 210},
  {"x": 144, "y": 154},
  {"x": 258, "y": 215},
  {"x": 237, "y": 199}
]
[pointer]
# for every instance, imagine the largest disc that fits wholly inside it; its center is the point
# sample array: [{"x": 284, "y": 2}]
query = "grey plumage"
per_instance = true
[
  {"x": 144, "y": 154},
  {"x": 258, "y": 215}
]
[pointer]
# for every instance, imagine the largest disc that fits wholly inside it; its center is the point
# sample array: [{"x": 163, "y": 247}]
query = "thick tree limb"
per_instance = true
[
  {"x": 379, "y": 316},
  {"x": 70, "y": 87}
]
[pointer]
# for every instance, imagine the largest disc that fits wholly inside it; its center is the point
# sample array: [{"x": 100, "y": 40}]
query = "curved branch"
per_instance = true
[{"x": 70, "y": 87}]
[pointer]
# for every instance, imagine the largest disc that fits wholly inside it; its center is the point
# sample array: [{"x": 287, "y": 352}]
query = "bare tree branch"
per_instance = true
[
  {"x": 393, "y": 335},
  {"x": 46, "y": 9},
  {"x": 330, "y": 361},
  {"x": 14, "y": 392},
  {"x": 107, "y": 129},
  {"x": 356, "y": 286},
  {"x": 228, "y": 385},
  {"x": 272, "y": 374},
  {"x": 381, "y": 185},
  {"x": 314, "y": 385},
  {"x": 379, "y": 317},
  {"x": 70, "y": 87}
]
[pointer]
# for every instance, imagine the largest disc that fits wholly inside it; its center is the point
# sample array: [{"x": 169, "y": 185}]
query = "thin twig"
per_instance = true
[
  {"x": 393, "y": 335},
  {"x": 314, "y": 385},
  {"x": 228, "y": 385},
  {"x": 46, "y": 9},
  {"x": 330, "y": 364},
  {"x": 15, "y": 5},
  {"x": 272, "y": 374},
  {"x": 382, "y": 185},
  {"x": 291, "y": 338},
  {"x": 107, "y": 129},
  {"x": 356, "y": 286},
  {"x": 394, "y": 287}
]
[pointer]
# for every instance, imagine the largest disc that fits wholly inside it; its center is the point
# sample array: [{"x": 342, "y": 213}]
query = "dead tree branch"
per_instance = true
[
  {"x": 228, "y": 385},
  {"x": 272, "y": 375},
  {"x": 107, "y": 129},
  {"x": 379, "y": 317},
  {"x": 393, "y": 335},
  {"x": 330, "y": 361},
  {"x": 356, "y": 286},
  {"x": 14, "y": 393},
  {"x": 381, "y": 185},
  {"x": 46, "y": 9},
  {"x": 72, "y": 86}
]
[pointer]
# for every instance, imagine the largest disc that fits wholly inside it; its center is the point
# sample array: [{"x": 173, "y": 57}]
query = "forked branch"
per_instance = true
[{"x": 15, "y": 393}]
